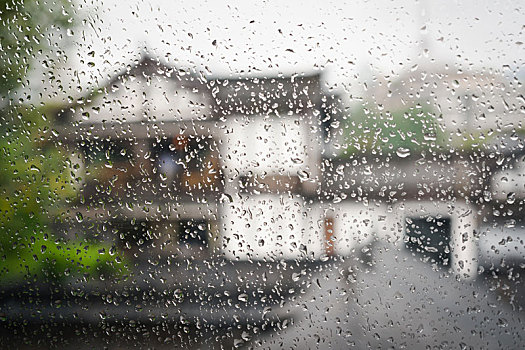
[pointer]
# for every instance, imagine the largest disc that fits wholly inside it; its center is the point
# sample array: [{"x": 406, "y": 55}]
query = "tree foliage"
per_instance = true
[
  {"x": 402, "y": 132},
  {"x": 26, "y": 29},
  {"x": 36, "y": 176}
]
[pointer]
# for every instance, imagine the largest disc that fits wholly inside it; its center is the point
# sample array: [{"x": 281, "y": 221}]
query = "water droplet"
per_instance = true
[
  {"x": 429, "y": 137},
  {"x": 226, "y": 198},
  {"x": 245, "y": 336},
  {"x": 403, "y": 152},
  {"x": 79, "y": 217},
  {"x": 398, "y": 295},
  {"x": 303, "y": 175}
]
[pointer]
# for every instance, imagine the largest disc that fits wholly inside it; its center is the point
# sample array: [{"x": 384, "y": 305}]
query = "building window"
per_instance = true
[
  {"x": 429, "y": 238},
  {"x": 193, "y": 233}
]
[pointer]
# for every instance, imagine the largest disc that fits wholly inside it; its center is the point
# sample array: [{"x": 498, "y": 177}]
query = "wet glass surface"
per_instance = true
[{"x": 291, "y": 175}]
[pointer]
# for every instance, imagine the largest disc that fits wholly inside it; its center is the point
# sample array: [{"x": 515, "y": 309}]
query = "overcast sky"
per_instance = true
[{"x": 347, "y": 39}]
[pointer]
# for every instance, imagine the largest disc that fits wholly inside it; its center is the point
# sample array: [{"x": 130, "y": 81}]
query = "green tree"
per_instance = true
[
  {"x": 27, "y": 29},
  {"x": 36, "y": 176},
  {"x": 401, "y": 133}
]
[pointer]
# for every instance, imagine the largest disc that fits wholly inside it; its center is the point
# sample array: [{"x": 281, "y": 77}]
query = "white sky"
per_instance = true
[{"x": 349, "y": 40}]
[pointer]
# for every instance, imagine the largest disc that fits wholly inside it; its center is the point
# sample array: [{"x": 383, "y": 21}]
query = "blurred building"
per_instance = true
[
  {"x": 183, "y": 166},
  {"x": 458, "y": 201},
  {"x": 244, "y": 168}
]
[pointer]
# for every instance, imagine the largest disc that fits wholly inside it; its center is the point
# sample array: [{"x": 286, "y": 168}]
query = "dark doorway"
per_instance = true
[{"x": 430, "y": 238}]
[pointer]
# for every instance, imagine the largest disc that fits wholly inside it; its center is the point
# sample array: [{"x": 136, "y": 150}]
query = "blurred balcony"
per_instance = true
[
  {"x": 151, "y": 171},
  {"x": 123, "y": 181}
]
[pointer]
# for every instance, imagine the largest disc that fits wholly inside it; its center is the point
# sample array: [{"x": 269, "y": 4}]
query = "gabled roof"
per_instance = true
[
  {"x": 145, "y": 66},
  {"x": 295, "y": 93},
  {"x": 258, "y": 95}
]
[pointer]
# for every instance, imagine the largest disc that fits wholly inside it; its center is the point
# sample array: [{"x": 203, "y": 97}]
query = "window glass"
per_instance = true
[{"x": 275, "y": 175}]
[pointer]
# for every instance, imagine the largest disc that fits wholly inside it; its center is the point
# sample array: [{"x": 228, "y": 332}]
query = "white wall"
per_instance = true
[
  {"x": 275, "y": 145},
  {"x": 123, "y": 102},
  {"x": 271, "y": 226},
  {"x": 509, "y": 181},
  {"x": 268, "y": 226},
  {"x": 166, "y": 101},
  {"x": 500, "y": 242},
  {"x": 355, "y": 225}
]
